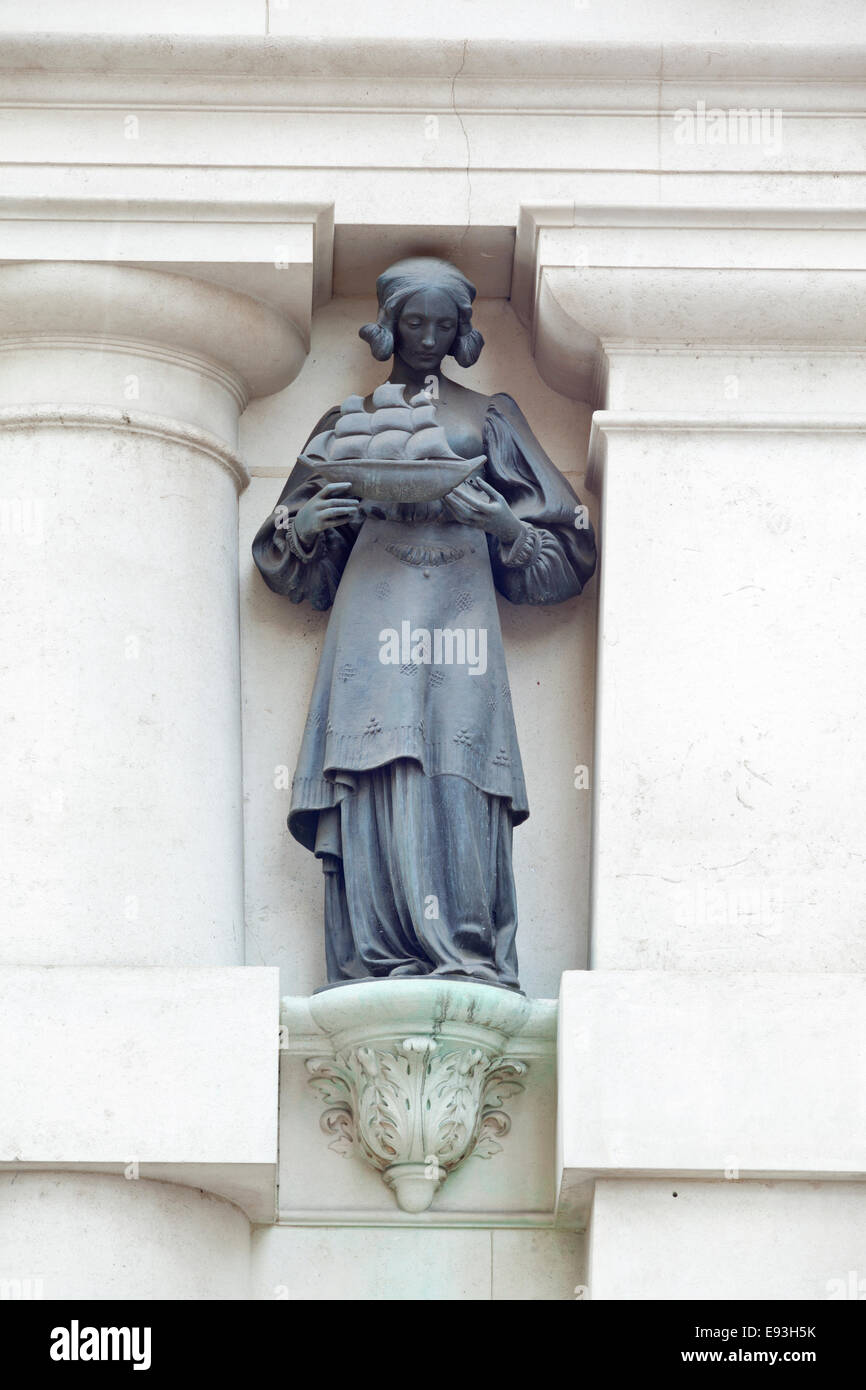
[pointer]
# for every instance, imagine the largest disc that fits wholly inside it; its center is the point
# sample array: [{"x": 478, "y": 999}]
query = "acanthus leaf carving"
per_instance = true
[{"x": 416, "y": 1107}]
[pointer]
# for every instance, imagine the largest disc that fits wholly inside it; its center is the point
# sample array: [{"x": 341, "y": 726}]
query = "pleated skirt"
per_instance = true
[{"x": 418, "y": 879}]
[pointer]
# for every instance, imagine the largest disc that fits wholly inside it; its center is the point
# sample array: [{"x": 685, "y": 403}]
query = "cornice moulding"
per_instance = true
[
  {"x": 591, "y": 278},
  {"x": 434, "y": 54},
  {"x": 362, "y": 73},
  {"x": 180, "y": 209},
  {"x": 293, "y": 239}
]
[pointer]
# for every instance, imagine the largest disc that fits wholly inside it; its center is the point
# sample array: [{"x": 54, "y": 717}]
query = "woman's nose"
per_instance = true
[{"x": 429, "y": 338}]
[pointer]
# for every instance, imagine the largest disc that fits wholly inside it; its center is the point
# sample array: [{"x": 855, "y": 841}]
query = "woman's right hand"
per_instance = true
[{"x": 330, "y": 507}]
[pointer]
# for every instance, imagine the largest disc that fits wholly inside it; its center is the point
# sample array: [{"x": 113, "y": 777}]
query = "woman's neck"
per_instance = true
[{"x": 404, "y": 375}]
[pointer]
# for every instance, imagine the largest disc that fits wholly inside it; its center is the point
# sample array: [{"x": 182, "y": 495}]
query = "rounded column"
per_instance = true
[
  {"x": 94, "y": 1235},
  {"x": 120, "y": 708}
]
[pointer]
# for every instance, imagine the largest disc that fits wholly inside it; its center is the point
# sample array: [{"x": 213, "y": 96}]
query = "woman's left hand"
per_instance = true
[{"x": 476, "y": 503}]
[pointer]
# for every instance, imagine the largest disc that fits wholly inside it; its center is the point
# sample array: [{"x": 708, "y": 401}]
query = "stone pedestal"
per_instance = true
[{"x": 416, "y": 1076}]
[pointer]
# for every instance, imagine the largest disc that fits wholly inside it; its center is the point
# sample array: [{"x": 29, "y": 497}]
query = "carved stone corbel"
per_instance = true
[{"x": 418, "y": 1078}]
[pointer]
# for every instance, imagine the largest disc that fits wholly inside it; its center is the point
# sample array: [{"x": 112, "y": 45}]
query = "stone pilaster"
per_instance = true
[{"x": 723, "y": 351}]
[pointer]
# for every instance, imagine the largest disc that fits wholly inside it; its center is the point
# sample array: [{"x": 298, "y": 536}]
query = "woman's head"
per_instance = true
[{"x": 425, "y": 313}]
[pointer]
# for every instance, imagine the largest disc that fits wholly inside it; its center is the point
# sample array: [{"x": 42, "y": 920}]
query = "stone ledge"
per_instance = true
[
  {"x": 319, "y": 1021},
  {"x": 742, "y": 1077},
  {"x": 167, "y": 1073}
]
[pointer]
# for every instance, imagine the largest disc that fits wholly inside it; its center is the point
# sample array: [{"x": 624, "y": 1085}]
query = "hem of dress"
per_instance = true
[{"x": 310, "y": 795}]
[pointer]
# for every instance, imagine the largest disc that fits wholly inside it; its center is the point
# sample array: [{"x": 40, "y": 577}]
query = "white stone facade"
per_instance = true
[{"x": 663, "y": 210}]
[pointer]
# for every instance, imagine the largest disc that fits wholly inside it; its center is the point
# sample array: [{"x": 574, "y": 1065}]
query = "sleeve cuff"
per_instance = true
[
  {"x": 524, "y": 549},
  {"x": 301, "y": 552}
]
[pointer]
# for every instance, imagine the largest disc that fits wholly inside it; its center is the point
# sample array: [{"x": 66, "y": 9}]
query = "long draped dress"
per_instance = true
[{"x": 409, "y": 778}]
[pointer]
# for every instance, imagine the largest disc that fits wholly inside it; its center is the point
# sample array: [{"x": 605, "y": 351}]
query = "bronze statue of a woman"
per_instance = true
[{"x": 409, "y": 778}]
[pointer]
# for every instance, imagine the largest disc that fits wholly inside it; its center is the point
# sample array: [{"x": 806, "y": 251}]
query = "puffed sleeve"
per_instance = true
[
  {"x": 286, "y": 566},
  {"x": 554, "y": 555}
]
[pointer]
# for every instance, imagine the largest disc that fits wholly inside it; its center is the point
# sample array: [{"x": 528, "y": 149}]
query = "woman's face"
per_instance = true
[{"x": 426, "y": 329}]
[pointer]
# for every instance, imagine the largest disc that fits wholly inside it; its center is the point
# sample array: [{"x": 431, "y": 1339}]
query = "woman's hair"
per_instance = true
[{"x": 399, "y": 282}]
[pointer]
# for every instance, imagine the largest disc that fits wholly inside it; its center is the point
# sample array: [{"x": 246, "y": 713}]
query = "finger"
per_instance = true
[
  {"x": 467, "y": 518},
  {"x": 483, "y": 486},
  {"x": 464, "y": 493},
  {"x": 331, "y": 488},
  {"x": 459, "y": 507},
  {"x": 338, "y": 513}
]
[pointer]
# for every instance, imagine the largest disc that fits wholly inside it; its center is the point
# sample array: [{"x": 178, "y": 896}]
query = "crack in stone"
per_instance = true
[{"x": 468, "y": 148}]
